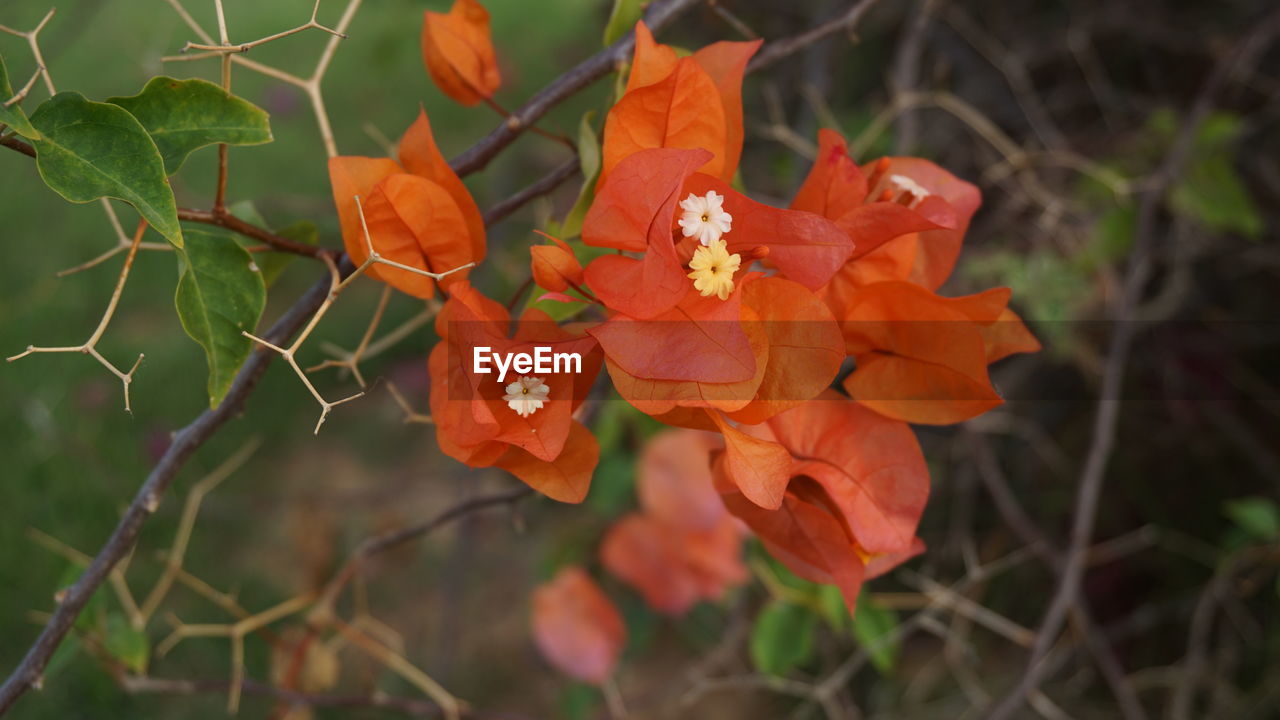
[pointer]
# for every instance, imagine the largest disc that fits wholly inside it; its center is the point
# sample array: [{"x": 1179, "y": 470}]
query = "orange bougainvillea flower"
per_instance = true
[
  {"x": 923, "y": 358},
  {"x": 554, "y": 267},
  {"x": 906, "y": 216},
  {"x": 635, "y": 211},
  {"x": 523, "y": 423},
  {"x": 854, "y": 492},
  {"x": 458, "y": 52},
  {"x": 418, "y": 212},
  {"x": 684, "y": 546},
  {"x": 771, "y": 346},
  {"x": 693, "y": 102},
  {"x": 577, "y": 628}
]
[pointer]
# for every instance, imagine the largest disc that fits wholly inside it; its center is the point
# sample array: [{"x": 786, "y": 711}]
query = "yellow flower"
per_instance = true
[{"x": 713, "y": 268}]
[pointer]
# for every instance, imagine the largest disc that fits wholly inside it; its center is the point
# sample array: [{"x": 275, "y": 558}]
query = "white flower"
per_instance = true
[
  {"x": 526, "y": 395},
  {"x": 705, "y": 218}
]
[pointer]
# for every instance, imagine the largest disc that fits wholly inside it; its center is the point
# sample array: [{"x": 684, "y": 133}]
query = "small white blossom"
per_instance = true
[
  {"x": 526, "y": 395},
  {"x": 704, "y": 217}
]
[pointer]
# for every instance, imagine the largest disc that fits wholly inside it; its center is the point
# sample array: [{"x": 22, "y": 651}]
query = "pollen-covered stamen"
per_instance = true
[
  {"x": 526, "y": 395},
  {"x": 704, "y": 217}
]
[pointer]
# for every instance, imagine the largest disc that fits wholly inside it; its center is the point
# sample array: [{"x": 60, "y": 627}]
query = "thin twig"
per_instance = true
[
  {"x": 1122, "y": 337},
  {"x": 90, "y": 346}
]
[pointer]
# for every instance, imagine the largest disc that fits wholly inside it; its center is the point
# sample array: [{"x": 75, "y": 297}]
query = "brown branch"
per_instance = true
[
  {"x": 776, "y": 50},
  {"x": 13, "y": 143},
  {"x": 1107, "y": 419},
  {"x": 226, "y": 220},
  {"x": 546, "y": 185}
]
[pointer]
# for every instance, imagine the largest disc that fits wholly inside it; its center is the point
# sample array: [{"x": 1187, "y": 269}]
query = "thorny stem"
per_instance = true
[
  {"x": 236, "y": 632},
  {"x": 22, "y": 93},
  {"x": 309, "y": 85},
  {"x": 382, "y": 344},
  {"x": 175, "y": 555},
  {"x": 337, "y": 285},
  {"x": 33, "y": 40},
  {"x": 42, "y": 68},
  {"x": 89, "y": 347},
  {"x": 245, "y": 47},
  {"x": 351, "y": 360}
]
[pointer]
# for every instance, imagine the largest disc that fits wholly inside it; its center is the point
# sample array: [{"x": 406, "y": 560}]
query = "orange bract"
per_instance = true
[
  {"x": 673, "y": 479},
  {"x": 548, "y": 450},
  {"x": 923, "y": 358},
  {"x": 635, "y": 211},
  {"x": 554, "y": 266},
  {"x": 853, "y": 494},
  {"x": 693, "y": 102},
  {"x": 458, "y": 52},
  {"x": 423, "y": 218},
  {"x": 684, "y": 547},
  {"x": 898, "y": 232},
  {"x": 576, "y": 627}
]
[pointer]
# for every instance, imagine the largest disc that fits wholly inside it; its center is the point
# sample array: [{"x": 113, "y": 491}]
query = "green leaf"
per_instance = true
[
  {"x": 90, "y": 150},
  {"x": 589, "y": 158},
  {"x": 126, "y": 643},
  {"x": 579, "y": 701},
  {"x": 834, "y": 610},
  {"x": 12, "y": 115},
  {"x": 1256, "y": 516},
  {"x": 873, "y": 627},
  {"x": 782, "y": 637},
  {"x": 1212, "y": 192},
  {"x": 273, "y": 263},
  {"x": 220, "y": 296},
  {"x": 183, "y": 115},
  {"x": 623, "y": 18}
]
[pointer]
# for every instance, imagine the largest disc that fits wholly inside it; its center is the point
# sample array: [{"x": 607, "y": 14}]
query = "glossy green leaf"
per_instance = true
[
  {"x": 183, "y": 115},
  {"x": 127, "y": 644},
  {"x": 623, "y": 17},
  {"x": 782, "y": 637},
  {"x": 89, "y": 150},
  {"x": 1258, "y": 517},
  {"x": 12, "y": 115},
  {"x": 589, "y": 159},
  {"x": 220, "y": 296},
  {"x": 873, "y": 627}
]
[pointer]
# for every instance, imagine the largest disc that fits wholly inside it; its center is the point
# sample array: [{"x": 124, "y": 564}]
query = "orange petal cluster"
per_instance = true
[
  {"x": 417, "y": 211},
  {"x": 921, "y": 357},
  {"x": 548, "y": 449},
  {"x": 682, "y": 547},
  {"x": 692, "y": 102},
  {"x": 854, "y": 486},
  {"x": 458, "y": 51},
  {"x": 576, "y": 627}
]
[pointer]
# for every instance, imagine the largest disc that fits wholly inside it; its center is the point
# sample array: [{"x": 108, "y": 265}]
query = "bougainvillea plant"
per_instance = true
[{"x": 788, "y": 349}]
